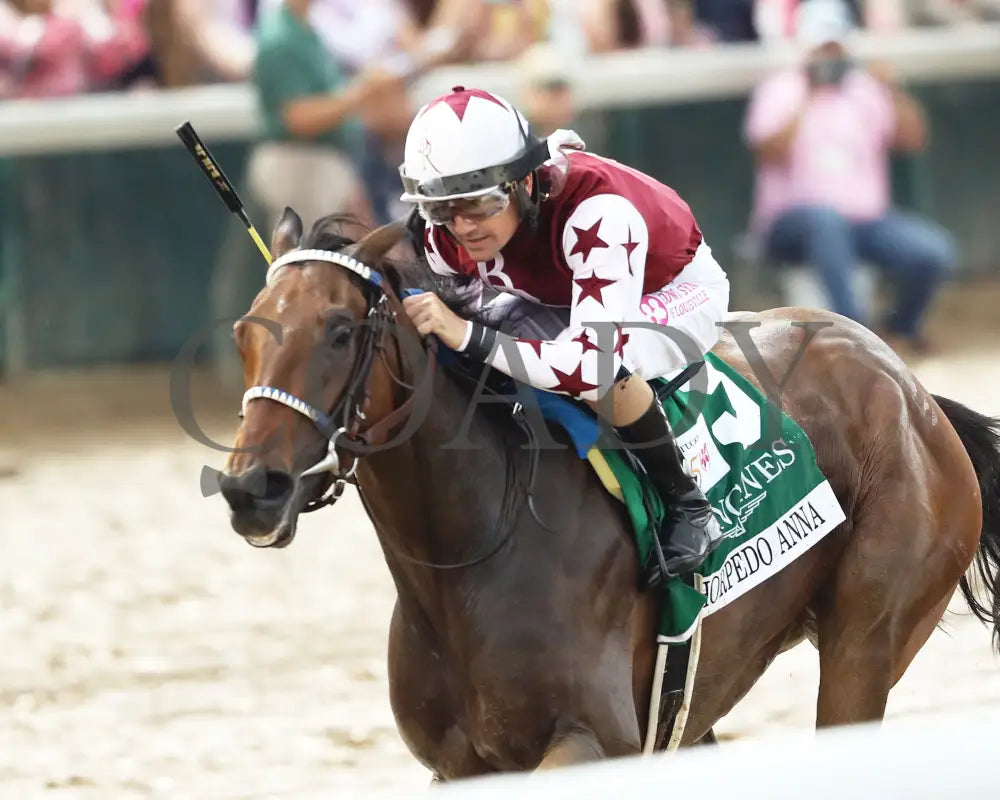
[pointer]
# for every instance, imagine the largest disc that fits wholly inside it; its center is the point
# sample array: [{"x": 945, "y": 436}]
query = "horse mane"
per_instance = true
[
  {"x": 334, "y": 232},
  {"x": 330, "y": 233}
]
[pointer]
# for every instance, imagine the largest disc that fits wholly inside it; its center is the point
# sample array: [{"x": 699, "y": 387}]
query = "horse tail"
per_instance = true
[{"x": 981, "y": 436}]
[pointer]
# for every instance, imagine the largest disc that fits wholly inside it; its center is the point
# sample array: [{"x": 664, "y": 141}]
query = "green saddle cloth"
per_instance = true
[{"x": 757, "y": 468}]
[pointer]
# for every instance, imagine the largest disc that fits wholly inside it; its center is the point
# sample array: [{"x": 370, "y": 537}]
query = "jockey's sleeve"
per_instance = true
[{"x": 604, "y": 243}]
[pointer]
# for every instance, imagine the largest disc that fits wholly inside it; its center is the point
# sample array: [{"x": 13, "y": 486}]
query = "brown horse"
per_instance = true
[{"x": 515, "y": 646}]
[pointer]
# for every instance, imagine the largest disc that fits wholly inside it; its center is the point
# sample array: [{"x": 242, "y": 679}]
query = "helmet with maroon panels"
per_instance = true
[{"x": 466, "y": 143}]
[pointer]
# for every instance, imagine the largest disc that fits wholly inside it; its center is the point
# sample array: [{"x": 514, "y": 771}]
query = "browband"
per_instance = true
[{"x": 352, "y": 264}]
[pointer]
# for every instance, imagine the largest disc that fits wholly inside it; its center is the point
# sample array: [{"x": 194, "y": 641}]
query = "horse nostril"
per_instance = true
[
  {"x": 278, "y": 486},
  {"x": 256, "y": 489},
  {"x": 243, "y": 490}
]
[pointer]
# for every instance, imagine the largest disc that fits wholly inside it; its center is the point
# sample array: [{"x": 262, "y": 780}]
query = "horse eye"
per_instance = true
[{"x": 340, "y": 335}]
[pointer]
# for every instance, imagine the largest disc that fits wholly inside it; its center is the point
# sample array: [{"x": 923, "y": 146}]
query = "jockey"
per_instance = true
[{"x": 579, "y": 247}]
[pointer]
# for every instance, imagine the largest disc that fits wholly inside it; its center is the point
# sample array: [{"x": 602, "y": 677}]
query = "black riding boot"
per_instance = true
[{"x": 690, "y": 530}]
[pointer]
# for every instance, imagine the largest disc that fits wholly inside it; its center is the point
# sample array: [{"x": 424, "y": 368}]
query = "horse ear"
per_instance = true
[
  {"x": 287, "y": 233},
  {"x": 373, "y": 248}
]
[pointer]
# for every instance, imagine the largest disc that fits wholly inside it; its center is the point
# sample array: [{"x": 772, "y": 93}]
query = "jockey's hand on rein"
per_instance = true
[{"x": 430, "y": 315}]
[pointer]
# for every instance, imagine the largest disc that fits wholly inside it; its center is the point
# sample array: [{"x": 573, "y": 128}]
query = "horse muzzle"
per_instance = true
[{"x": 263, "y": 505}]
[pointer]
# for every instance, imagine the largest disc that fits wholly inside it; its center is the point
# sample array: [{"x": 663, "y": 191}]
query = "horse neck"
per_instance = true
[{"x": 438, "y": 497}]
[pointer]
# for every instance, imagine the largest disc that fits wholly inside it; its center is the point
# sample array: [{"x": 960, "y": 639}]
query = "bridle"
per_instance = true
[
  {"x": 356, "y": 395},
  {"x": 355, "y": 399}
]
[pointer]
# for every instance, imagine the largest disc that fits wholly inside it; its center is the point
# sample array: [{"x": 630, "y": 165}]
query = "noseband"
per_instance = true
[{"x": 356, "y": 394}]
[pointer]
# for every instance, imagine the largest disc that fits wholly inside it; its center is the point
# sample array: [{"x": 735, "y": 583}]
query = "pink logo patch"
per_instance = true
[{"x": 654, "y": 309}]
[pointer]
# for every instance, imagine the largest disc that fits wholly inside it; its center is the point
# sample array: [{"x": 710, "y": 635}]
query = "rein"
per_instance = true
[{"x": 356, "y": 397}]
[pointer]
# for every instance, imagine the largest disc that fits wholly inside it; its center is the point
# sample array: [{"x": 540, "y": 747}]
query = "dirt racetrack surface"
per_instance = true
[{"x": 149, "y": 652}]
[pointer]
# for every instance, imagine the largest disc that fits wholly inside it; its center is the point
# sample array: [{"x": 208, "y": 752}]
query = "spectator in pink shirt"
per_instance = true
[{"x": 822, "y": 136}]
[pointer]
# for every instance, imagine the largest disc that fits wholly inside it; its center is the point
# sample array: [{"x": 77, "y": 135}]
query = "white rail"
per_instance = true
[
  {"x": 930, "y": 759},
  {"x": 142, "y": 119}
]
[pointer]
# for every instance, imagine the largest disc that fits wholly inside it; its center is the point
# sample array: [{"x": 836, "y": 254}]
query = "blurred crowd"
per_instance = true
[
  {"x": 64, "y": 47},
  {"x": 332, "y": 80}
]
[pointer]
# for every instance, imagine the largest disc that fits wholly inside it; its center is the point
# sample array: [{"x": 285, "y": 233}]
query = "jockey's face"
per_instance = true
[{"x": 484, "y": 238}]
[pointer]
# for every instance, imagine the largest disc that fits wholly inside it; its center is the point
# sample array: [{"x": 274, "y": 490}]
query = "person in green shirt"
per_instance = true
[{"x": 311, "y": 131}]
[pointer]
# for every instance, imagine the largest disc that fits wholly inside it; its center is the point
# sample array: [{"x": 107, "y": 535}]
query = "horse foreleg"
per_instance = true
[{"x": 570, "y": 745}]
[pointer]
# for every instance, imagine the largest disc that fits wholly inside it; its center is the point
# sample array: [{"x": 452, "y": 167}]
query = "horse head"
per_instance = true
[{"x": 315, "y": 393}]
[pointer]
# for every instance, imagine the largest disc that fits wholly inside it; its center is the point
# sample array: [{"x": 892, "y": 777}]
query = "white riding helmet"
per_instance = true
[{"x": 467, "y": 143}]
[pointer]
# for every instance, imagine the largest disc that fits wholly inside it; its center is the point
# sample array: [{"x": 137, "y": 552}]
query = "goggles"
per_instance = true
[{"x": 475, "y": 209}]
